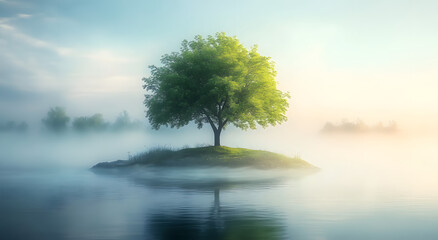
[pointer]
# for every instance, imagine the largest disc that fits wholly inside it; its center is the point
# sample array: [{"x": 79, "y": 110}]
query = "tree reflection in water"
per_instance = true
[
  {"x": 218, "y": 222},
  {"x": 221, "y": 224}
]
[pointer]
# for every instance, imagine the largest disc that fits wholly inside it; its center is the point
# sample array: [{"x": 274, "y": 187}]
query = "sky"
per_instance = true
[{"x": 340, "y": 59}]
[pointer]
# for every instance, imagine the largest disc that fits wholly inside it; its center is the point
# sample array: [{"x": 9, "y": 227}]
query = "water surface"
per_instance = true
[{"x": 210, "y": 204}]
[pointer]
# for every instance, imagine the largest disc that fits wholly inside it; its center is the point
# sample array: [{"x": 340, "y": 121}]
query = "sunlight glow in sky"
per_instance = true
[{"x": 373, "y": 60}]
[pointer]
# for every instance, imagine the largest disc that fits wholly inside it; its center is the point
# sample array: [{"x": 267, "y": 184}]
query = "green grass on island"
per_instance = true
[{"x": 219, "y": 156}]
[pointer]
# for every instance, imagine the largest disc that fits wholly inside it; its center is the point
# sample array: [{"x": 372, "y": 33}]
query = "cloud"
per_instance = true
[
  {"x": 33, "y": 67},
  {"x": 6, "y": 27},
  {"x": 27, "y": 62},
  {"x": 8, "y": 31},
  {"x": 18, "y": 16},
  {"x": 16, "y": 35},
  {"x": 23, "y": 15},
  {"x": 4, "y": 20}
]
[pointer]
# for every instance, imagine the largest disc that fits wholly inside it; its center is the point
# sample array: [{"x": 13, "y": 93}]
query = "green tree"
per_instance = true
[
  {"x": 124, "y": 122},
  {"x": 215, "y": 81},
  {"x": 95, "y": 123},
  {"x": 56, "y": 119},
  {"x": 12, "y": 126}
]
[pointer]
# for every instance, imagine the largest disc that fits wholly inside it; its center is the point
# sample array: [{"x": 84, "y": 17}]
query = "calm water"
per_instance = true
[{"x": 211, "y": 204}]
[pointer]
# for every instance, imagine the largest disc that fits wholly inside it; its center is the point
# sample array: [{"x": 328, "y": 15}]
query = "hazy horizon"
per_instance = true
[
  {"x": 374, "y": 62},
  {"x": 339, "y": 60}
]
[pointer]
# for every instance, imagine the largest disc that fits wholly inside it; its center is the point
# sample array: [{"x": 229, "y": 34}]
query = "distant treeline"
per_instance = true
[
  {"x": 12, "y": 126},
  {"x": 359, "y": 127},
  {"x": 57, "y": 120}
]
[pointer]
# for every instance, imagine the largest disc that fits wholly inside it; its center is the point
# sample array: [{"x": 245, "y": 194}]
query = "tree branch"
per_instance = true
[
  {"x": 225, "y": 123},
  {"x": 210, "y": 121}
]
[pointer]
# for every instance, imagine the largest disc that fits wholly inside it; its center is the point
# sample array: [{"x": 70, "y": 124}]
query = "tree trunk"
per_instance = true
[{"x": 217, "y": 137}]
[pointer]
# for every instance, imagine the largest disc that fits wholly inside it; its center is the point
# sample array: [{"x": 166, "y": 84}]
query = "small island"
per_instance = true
[
  {"x": 212, "y": 156},
  {"x": 213, "y": 81}
]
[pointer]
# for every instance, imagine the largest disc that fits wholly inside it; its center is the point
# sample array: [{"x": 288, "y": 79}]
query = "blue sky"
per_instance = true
[{"x": 374, "y": 60}]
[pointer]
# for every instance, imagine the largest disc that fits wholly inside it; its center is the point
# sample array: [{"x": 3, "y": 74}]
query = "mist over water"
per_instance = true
[
  {"x": 374, "y": 61},
  {"x": 364, "y": 182},
  {"x": 67, "y": 150},
  {"x": 377, "y": 157}
]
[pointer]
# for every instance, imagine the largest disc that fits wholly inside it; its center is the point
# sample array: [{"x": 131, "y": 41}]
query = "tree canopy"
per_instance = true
[
  {"x": 56, "y": 119},
  {"x": 124, "y": 122},
  {"x": 93, "y": 123},
  {"x": 215, "y": 81},
  {"x": 12, "y": 126}
]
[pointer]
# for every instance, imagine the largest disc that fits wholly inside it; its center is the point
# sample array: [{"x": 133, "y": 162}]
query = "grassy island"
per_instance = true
[{"x": 217, "y": 156}]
